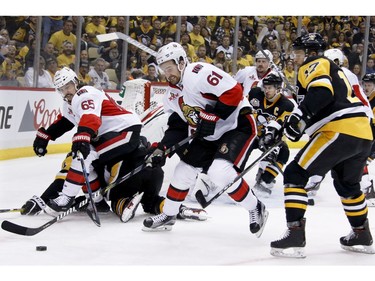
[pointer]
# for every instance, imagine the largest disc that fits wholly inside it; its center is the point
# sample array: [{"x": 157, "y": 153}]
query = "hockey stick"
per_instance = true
[
  {"x": 93, "y": 214},
  {"x": 199, "y": 194},
  {"x": 10, "y": 210},
  {"x": 118, "y": 35},
  {"x": 29, "y": 231},
  {"x": 276, "y": 68}
]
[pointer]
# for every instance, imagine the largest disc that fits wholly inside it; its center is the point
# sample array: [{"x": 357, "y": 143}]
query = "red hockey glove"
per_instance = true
[{"x": 41, "y": 142}]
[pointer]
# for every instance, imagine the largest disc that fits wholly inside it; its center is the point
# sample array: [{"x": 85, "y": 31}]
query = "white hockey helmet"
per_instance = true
[
  {"x": 63, "y": 77},
  {"x": 335, "y": 54},
  {"x": 171, "y": 51},
  {"x": 261, "y": 55}
]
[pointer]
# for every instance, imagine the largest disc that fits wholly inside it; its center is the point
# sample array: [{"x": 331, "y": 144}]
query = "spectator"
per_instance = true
[
  {"x": 196, "y": 37},
  {"x": 189, "y": 26},
  {"x": 83, "y": 74},
  {"x": 356, "y": 69},
  {"x": 360, "y": 35},
  {"x": 370, "y": 66},
  {"x": 11, "y": 64},
  {"x": 4, "y": 49},
  {"x": 65, "y": 35},
  {"x": 342, "y": 44},
  {"x": 51, "y": 65},
  {"x": 158, "y": 33},
  {"x": 121, "y": 24},
  {"x": 212, "y": 50},
  {"x": 99, "y": 78},
  {"x": 44, "y": 78},
  {"x": 151, "y": 73},
  {"x": 277, "y": 60},
  {"x": 226, "y": 47},
  {"x": 185, "y": 39},
  {"x": 202, "y": 55},
  {"x": 25, "y": 32},
  {"x": 289, "y": 72},
  {"x": 67, "y": 57},
  {"x": 51, "y": 25},
  {"x": 268, "y": 31},
  {"x": 247, "y": 31},
  {"x": 94, "y": 28},
  {"x": 242, "y": 62},
  {"x": 224, "y": 29},
  {"x": 48, "y": 51},
  {"x": 169, "y": 27},
  {"x": 5, "y": 34},
  {"x": 207, "y": 37},
  {"x": 145, "y": 33},
  {"x": 356, "y": 57}
]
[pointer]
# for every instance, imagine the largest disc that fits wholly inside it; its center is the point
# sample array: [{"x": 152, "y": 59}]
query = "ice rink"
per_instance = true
[{"x": 221, "y": 247}]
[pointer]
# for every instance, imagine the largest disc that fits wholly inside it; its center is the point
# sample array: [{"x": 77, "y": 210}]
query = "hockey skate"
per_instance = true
[
  {"x": 262, "y": 189},
  {"x": 358, "y": 240},
  {"x": 160, "y": 222},
  {"x": 293, "y": 240},
  {"x": 370, "y": 195},
  {"x": 192, "y": 213},
  {"x": 130, "y": 207},
  {"x": 258, "y": 218},
  {"x": 60, "y": 204}
]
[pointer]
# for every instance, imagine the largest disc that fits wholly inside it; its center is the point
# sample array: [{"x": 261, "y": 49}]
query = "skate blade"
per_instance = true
[
  {"x": 200, "y": 215},
  {"x": 259, "y": 233},
  {"x": 370, "y": 202},
  {"x": 158, "y": 229},
  {"x": 293, "y": 252},
  {"x": 359, "y": 249}
]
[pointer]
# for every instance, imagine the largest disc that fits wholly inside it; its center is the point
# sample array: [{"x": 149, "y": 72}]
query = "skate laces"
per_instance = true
[
  {"x": 254, "y": 215},
  {"x": 159, "y": 218},
  {"x": 285, "y": 235},
  {"x": 62, "y": 200}
]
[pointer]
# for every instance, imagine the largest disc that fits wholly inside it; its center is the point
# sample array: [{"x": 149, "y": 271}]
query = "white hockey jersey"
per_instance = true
[
  {"x": 110, "y": 116},
  {"x": 203, "y": 84},
  {"x": 249, "y": 78}
]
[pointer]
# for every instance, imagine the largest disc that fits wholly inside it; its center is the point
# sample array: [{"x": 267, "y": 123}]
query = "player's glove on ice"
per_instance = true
[
  {"x": 41, "y": 142},
  {"x": 295, "y": 125},
  {"x": 270, "y": 136},
  {"x": 33, "y": 206},
  {"x": 207, "y": 123},
  {"x": 157, "y": 155}
]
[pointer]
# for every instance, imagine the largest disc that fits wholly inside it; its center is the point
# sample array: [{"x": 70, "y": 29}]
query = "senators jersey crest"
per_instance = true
[{"x": 191, "y": 113}]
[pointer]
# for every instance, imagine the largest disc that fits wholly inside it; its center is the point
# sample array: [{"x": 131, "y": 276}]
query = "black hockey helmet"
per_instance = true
[
  {"x": 369, "y": 77},
  {"x": 272, "y": 79},
  {"x": 310, "y": 42}
]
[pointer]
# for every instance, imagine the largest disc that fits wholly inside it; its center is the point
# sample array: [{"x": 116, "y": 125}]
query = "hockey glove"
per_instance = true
[
  {"x": 270, "y": 137},
  {"x": 81, "y": 142},
  {"x": 295, "y": 125},
  {"x": 33, "y": 206},
  {"x": 207, "y": 123},
  {"x": 41, "y": 142},
  {"x": 157, "y": 155}
]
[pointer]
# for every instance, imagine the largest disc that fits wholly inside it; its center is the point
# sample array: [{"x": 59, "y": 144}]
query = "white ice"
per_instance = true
[{"x": 220, "y": 248}]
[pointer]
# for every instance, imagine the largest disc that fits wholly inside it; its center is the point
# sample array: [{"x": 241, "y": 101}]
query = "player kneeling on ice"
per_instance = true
[
  {"x": 340, "y": 142},
  {"x": 142, "y": 188},
  {"x": 271, "y": 108},
  {"x": 211, "y": 104}
]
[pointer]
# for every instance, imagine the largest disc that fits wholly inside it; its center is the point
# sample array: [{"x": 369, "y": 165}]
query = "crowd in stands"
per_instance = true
[{"x": 205, "y": 38}]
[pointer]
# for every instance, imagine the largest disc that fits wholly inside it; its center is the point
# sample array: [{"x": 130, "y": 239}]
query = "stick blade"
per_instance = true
[
  {"x": 17, "y": 229},
  {"x": 200, "y": 198},
  {"x": 107, "y": 37}
]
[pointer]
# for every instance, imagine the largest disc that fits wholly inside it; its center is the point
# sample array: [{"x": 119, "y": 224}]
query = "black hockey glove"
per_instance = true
[
  {"x": 269, "y": 138},
  {"x": 207, "y": 123},
  {"x": 81, "y": 142},
  {"x": 33, "y": 206},
  {"x": 156, "y": 157},
  {"x": 41, "y": 142},
  {"x": 295, "y": 125}
]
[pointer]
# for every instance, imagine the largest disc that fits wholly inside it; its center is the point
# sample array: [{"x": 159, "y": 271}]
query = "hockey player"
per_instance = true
[
  {"x": 312, "y": 186},
  {"x": 211, "y": 104},
  {"x": 368, "y": 82},
  {"x": 142, "y": 188},
  {"x": 250, "y": 76},
  {"x": 271, "y": 108},
  {"x": 106, "y": 132},
  {"x": 334, "y": 121}
]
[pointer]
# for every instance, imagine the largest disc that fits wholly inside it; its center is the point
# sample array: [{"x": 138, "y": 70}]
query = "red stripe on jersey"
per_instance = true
[
  {"x": 94, "y": 185},
  {"x": 91, "y": 121},
  {"x": 175, "y": 194},
  {"x": 111, "y": 108},
  {"x": 357, "y": 92},
  {"x": 233, "y": 96},
  {"x": 111, "y": 141},
  {"x": 246, "y": 146},
  {"x": 241, "y": 192}
]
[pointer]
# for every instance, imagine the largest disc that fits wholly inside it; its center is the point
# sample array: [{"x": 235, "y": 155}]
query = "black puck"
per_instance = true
[{"x": 41, "y": 248}]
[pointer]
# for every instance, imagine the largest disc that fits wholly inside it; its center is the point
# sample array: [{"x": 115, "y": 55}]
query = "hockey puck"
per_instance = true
[{"x": 41, "y": 248}]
